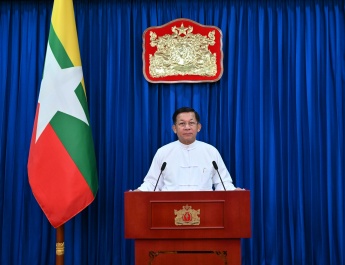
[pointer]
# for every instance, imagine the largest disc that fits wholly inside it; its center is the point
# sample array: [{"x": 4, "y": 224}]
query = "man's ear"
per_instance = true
[
  {"x": 199, "y": 127},
  {"x": 173, "y": 128}
]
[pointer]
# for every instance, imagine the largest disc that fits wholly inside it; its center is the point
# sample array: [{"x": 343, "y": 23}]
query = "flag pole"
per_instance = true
[{"x": 60, "y": 245}]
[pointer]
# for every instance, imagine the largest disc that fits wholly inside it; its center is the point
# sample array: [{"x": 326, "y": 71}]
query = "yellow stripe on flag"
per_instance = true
[
  {"x": 65, "y": 28},
  {"x": 64, "y": 25}
]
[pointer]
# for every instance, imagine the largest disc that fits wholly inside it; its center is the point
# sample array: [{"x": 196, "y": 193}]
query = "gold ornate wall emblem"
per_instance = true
[
  {"x": 182, "y": 51},
  {"x": 187, "y": 216}
]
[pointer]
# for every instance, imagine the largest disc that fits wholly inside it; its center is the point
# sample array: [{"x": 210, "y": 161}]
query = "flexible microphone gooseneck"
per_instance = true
[
  {"x": 162, "y": 168},
  {"x": 216, "y": 168}
]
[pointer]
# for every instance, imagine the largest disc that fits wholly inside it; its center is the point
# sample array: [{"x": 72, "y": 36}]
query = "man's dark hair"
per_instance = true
[{"x": 183, "y": 110}]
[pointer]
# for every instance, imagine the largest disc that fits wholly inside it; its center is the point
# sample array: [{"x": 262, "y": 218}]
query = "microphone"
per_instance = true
[
  {"x": 216, "y": 168},
  {"x": 162, "y": 168}
]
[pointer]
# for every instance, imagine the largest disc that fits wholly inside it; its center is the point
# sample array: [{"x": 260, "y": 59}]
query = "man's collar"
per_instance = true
[{"x": 188, "y": 146}]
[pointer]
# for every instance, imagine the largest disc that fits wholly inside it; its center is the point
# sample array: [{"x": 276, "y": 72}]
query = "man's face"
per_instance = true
[{"x": 186, "y": 127}]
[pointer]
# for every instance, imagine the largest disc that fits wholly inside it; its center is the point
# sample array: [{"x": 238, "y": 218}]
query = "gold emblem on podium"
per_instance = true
[{"x": 187, "y": 216}]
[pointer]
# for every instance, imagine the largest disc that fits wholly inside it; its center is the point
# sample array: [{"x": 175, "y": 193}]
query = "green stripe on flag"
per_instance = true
[
  {"x": 76, "y": 136},
  {"x": 58, "y": 49},
  {"x": 82, "y": 98}
]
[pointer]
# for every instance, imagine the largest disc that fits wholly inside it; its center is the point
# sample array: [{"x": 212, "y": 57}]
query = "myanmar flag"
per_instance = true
[{"x": 62, "y": 164}]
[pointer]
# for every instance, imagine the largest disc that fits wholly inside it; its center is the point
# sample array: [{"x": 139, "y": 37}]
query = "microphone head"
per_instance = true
[
  {"x": 215, "y": 165},
  {"x": 163, "y": 166}
]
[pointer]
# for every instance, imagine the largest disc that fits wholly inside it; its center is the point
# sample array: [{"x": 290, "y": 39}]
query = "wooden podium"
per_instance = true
[{"x": 187, "y": 227}]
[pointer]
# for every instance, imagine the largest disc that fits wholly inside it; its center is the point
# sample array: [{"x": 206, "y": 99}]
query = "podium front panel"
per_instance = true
[
  {"x": 195, "y": 252},
  {"x": 210, "y": 214}
]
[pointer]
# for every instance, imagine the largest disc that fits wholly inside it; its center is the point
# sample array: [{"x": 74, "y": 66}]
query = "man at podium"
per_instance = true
[{"x": 187, "y": 164}]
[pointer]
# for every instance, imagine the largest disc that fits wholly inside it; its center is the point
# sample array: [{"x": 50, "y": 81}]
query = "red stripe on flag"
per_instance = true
[{"x": 56, "y": 182}]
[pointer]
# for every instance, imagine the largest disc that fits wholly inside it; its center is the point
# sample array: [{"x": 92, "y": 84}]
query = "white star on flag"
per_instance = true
[{"x": 57, "y": 92}]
